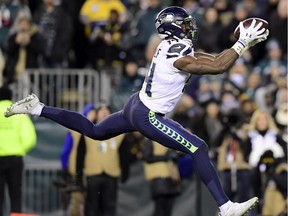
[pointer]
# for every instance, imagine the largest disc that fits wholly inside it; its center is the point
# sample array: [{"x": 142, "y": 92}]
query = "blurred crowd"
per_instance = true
[
  {"x": 104, "y": 35},
  {"x": 242, "y": 114}
]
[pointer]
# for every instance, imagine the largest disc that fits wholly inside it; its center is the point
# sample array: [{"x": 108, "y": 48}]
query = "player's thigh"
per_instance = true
[
  {"x": 115, "y": 124},
  {"x": 171, "y": 134}
]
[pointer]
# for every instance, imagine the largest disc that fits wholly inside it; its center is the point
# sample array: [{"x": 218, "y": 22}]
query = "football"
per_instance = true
[{"x": 247, "y": 23}]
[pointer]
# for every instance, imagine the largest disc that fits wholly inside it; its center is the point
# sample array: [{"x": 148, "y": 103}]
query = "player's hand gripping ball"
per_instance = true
[{"x": 247, "y": 23}]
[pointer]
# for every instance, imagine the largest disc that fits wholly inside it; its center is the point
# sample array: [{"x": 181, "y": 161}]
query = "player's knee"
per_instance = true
[
  {"x": 204, "y": 147},
  {"x": 97, "y": 136}
]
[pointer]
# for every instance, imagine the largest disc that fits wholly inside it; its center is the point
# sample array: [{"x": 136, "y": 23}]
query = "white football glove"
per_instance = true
[
  {"x": 249, "y": 37},
  {"x": 260, "y": 38},
  {"x": 250, "y": 34}
]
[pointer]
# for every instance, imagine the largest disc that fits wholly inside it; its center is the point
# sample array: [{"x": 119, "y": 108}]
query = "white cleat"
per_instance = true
[
  {"x": 239, "y": 209},
  {"x": 28, "y": 105}
]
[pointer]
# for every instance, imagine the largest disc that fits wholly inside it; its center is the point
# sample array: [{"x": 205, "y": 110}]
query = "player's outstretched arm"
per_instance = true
[
  {"x": 203, "y": 63},
  {"x": 208, "y": 55},
  {"x": 206, "y": 63}
]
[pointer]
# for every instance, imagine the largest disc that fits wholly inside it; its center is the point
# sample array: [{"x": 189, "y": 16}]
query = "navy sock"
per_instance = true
[{"x": 208, "y": 175}]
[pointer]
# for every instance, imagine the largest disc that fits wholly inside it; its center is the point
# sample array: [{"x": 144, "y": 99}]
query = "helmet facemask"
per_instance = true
[{"x": 190, "y": 29}]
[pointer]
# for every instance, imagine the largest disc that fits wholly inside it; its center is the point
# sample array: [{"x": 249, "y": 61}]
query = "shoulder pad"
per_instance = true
[{"x": 178, "y": 49}]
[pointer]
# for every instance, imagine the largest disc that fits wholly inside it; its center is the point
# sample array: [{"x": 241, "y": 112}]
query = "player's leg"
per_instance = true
[
  {"x": 113, "y": 125},
  {"x": 173, "y": 135}
]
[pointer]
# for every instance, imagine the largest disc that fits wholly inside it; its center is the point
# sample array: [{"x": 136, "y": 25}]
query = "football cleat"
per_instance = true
[
  {"x": 28, "y": 105},
  {"x": 239, "y": 209}
]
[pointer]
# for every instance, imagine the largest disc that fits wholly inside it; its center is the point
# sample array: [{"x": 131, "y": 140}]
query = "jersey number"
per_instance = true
[{"x": 149, "y": 80}]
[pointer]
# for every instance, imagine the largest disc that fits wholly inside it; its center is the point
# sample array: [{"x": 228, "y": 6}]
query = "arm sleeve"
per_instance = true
[{"x": 67, "y": 147}]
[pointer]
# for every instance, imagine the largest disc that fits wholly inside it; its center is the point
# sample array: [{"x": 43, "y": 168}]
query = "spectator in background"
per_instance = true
[
  {"x": 130, "y": 152},
  {"x": 263, "y": 135},
  {"x": 103, "y": 21},
  {"x": 130, "y": 82},
  {"x": 252, "y": 7},
  {"x": 102, "y": 169},
  {"x": 211, "y": 28},
  {"x": 273, "y": 59},
  {"x": 17, "y": 138},
  {"x": 78, "y": 57},
  {"x": 97, "y": 12},
  {"x": 107, "y": 40},
  {"x": 263, "y": 146},
  {"x": 253, "y": 82},
  {"x": 73, "y": 161},
  {"x": 209, "y": 88},
  {"x": 24, "y": 48},
  {"x": 56, "y": 25},
  {"x": 224, "y": 10},
  {"x": 247, "y": 108},
  {"x": 281, "y": 95},
  {"x": 282, "y": 120},
  {"x": 8, "y": 13},
  {"x": 274, "y": 92},
  {"x": 268, "y": 8},
  {"x": 108, "y": 53},
  {"x": 237, "y": 75},
  {"x": 278, "y": 25},
  {"x": 275, "y": 197},
  {"x": 193, "y": 8},
  {"x": 163, "y": 176},
  {"x": 229, "y": 102},
  {"x": 142, "y": 30},
  {"x": 235, "y": 171}
]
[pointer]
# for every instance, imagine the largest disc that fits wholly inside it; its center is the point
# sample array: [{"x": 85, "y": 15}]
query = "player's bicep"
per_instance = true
[
  {"x": 195, "y": 65},
  {"x": 204, "y": 55},
  {"x": 205, "y": 65}
]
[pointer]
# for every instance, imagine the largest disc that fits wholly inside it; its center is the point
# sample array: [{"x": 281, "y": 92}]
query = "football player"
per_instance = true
[{"x": 172, "y": 65}]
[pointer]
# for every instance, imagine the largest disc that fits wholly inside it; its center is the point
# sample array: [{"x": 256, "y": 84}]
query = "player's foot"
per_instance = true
[
  {"x": 28, "y": 105},
  {"x": 239, "y": 209}
]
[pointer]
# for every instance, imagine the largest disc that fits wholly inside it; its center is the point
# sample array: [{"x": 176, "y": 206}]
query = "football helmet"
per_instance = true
[{"x": 174, "y": 21}]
